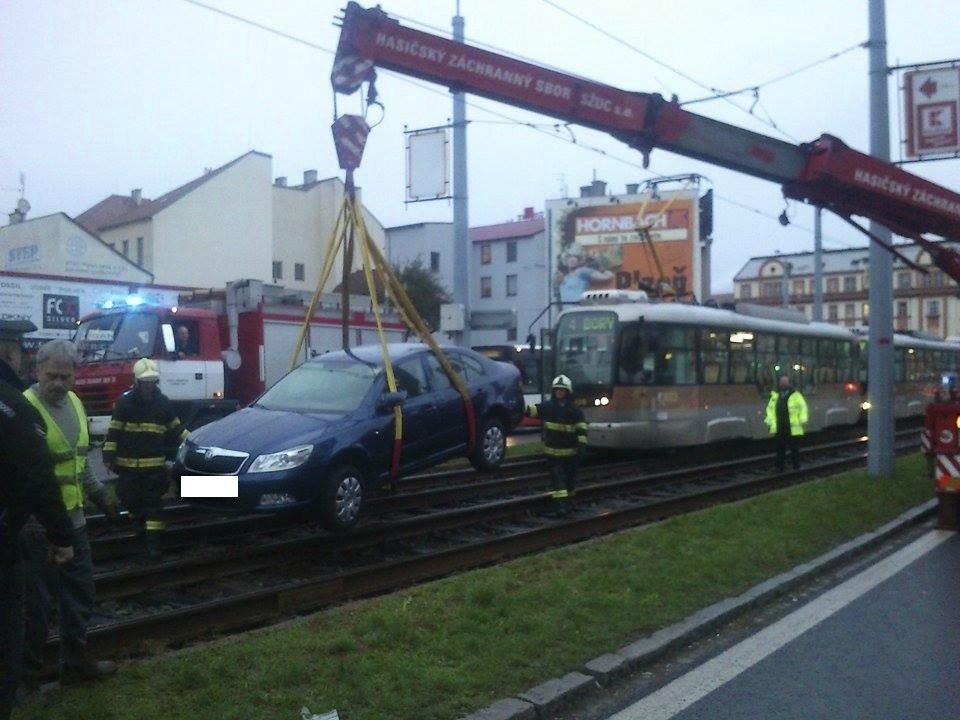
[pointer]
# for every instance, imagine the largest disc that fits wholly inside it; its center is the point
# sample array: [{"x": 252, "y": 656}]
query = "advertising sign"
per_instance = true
[
  {"x": 932, "y": 99},
  {"x": 627, "y": 243},
  {"x": 55, "y": 305}
]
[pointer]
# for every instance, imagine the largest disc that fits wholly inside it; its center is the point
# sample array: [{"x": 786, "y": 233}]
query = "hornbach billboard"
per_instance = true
[{"x": 596, "y": 244}]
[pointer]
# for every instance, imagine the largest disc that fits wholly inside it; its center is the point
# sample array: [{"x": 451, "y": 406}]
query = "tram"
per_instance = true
[
  {"x": 656, "y": 374},
  {"x": 530, "y": 362},
  {"x": 925, "y": 368}
]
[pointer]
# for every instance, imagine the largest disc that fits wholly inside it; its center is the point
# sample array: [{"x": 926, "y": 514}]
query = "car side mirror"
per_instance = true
[{"x": 390, "y": 400}]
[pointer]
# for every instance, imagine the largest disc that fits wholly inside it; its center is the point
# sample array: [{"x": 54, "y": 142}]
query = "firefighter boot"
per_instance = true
[
  {"x": 153, "y": 536},
  {"x": 154, "y": 546}
]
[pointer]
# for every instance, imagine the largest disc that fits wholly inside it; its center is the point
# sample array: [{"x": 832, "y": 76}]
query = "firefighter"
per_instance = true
[
  {"x": 564, "y": 432},
  {"x": 144, "y": 433},
  {"x": 786, "y": 416}
]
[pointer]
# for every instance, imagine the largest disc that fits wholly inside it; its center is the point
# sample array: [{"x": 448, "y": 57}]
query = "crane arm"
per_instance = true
[{"x": 824, "y": 172}]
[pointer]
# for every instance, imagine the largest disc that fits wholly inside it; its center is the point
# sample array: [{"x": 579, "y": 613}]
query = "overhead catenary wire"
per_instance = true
[{"x": 537, "y": 127}]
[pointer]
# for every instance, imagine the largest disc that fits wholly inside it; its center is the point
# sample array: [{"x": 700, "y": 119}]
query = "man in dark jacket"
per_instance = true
[
  {"x": 564, "y": 432},
  {"x": 27, "y": 487},
  {"x": 11, "y": 351},
  {"x": 144, "y": 433}
]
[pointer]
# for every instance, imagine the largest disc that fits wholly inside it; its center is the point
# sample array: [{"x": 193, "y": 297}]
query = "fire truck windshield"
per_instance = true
[{"x": 117, "y": 336}]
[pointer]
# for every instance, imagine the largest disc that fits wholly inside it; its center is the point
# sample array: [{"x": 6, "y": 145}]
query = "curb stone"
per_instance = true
[{"x": 601, "y": 671}]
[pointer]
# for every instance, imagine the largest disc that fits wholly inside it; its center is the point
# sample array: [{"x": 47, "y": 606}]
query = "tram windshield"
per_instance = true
[{"x": 585, "y": 347}]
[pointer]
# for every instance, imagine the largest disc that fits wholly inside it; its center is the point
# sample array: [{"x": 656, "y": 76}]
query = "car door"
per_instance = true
[
  {"x": 420, "y": 417},
  {"x": 452, "y": 429}
]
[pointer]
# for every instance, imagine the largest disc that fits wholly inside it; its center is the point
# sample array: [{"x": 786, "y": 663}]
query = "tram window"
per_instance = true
[
  {"x": 675, "y": 362},
  {"x": 632, "y": 358},
  {"x": 741, "y": 357},
  {"x": 899, "y": 370},
  {"x": 767, "y": 366},
  {"x": 808, "y": 364},
  {"x": 714, "y": 348}
]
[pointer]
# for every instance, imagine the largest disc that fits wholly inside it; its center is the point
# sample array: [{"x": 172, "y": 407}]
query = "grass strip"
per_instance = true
[{"x": 447, "y": 648}]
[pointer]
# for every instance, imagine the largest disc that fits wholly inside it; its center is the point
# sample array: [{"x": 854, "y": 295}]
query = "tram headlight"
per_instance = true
[
  {"x": 601, "y": 401},
  {"x": 865, "y": 405}
]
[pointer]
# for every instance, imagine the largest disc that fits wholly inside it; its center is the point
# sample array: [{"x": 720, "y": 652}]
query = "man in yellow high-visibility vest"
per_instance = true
[{"x": 70, "y": 584}]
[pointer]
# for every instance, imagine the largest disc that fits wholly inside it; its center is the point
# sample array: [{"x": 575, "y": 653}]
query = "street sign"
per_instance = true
[{"x": 932, "y": 101}]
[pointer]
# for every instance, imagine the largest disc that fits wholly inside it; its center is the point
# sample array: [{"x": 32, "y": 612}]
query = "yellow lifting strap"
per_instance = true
[{"x": 350, "y": 226}]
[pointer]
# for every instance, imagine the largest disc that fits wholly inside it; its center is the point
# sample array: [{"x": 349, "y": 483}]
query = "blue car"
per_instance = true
[{"x": 324, "y": 436}]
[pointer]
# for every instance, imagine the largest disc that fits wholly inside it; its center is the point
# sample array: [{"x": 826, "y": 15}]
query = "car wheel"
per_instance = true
[
  {"x": 491, "y": 446},
  {"x": 342, "y": 499}
]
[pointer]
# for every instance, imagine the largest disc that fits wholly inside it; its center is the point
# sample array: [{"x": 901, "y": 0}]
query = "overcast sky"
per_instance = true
[{"x": 102, "y": 96}]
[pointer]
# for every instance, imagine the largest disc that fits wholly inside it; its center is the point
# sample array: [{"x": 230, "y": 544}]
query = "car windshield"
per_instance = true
[{"x": 321, "y": 387}]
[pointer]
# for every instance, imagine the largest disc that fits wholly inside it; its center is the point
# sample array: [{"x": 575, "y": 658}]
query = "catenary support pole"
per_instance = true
[
  {"x": 461, "y": 241},
  {"x": 881, "y": 350},
  {"x": 818, "y": 264}
]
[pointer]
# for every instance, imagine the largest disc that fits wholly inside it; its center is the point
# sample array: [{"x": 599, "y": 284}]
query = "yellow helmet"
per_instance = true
[
  {"x": 562, "y": 381},
  {"x": 146, "y": 369}
]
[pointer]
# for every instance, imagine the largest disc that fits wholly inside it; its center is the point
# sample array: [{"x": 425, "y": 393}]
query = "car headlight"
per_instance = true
[{"x": 283, "y": 460}]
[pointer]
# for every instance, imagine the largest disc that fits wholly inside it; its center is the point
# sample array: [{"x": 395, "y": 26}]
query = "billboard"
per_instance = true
[
  {"x": 932, "y": 101},
  {"x": 597, "y": 243}
]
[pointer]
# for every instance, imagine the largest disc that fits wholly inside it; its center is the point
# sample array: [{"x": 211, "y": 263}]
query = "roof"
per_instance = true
[
  {"x": 119, "y": 210},
  {"x": 507, "y": 230},
  {"x": 834, "y": 261}
]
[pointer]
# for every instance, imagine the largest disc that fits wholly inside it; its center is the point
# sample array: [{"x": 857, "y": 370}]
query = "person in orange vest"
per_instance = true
[
  {"x": 144, "y": 433},
  {"x": 786, "y": 416},
  {"x": 564, "y": 432},
  {"x": 69, "y": 584}
]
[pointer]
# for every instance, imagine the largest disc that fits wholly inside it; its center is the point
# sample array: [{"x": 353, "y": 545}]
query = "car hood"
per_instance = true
[{"x": 257, "y": 430}]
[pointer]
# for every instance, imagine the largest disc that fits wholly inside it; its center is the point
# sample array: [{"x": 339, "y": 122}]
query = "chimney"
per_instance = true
[
  {"x": 632, "y": 188},
  {"x": 309, "y": 177},
  {"x": 281, "y": 181},
  {"x": 137, "y": 195},
  {"x": 599, "y": 188},
  {"x": 528, "y": 213},
  {"x": 586, "y": 191}
]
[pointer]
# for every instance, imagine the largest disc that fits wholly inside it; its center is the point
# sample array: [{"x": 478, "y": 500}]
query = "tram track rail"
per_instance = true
[{"x": 239, "y": 588}]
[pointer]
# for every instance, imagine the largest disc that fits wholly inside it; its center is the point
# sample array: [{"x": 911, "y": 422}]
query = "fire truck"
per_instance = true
[
  {"x": 240, "y": 340},
  {"x": 823, "y": 172}
]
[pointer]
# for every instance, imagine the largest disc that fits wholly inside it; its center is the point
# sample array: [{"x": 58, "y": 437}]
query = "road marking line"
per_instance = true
[{"x": 696, "y": 684}]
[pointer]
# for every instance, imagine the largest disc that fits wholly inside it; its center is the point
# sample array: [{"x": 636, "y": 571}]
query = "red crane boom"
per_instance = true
[{"x": 824, "y": 172}]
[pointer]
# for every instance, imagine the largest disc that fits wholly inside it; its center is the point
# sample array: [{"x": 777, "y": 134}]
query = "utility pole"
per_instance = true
[
  {"x": 785, "y": 284},
  {"x": 880, "y": 351},
  {"x": 461, "y": 240},
  {"x": 817, "y": 264}
]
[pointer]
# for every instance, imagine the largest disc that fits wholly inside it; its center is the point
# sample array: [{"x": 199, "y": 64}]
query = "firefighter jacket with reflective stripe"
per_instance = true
[
  {"x": 69, "y": 462},
  {"x": 796, "y": 410},
  {"x": 562, "y": 426},
  {"x": 143, "y": 432}
]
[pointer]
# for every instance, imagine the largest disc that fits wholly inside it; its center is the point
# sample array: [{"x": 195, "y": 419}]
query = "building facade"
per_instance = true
[
  {"x": 924, "y": 300},
  {"x": 508, "y": 272},
  {"x": 232, "y": 222},
  {"x": 509, "y": 281}
]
